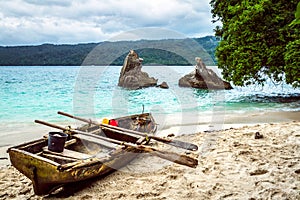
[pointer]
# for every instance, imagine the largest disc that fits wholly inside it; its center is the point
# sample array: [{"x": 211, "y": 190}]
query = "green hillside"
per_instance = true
[{"x": 154, "y": 52}]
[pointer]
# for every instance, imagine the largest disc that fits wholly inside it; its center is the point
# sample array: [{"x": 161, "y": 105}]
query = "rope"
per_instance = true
[
  {"x": 147, "y": 138},
  {"x": 68, "y": 130}
]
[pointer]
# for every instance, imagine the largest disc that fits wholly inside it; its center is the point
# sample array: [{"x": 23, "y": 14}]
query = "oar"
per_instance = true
[
  {"x": 176, "y": 143},
  {"x": 171, "y": 156}
]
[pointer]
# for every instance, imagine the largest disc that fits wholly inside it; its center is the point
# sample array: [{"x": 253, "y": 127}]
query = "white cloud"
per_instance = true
[
  {"x": 63, "y": 3},
  {"x": 77, "y": 21}
]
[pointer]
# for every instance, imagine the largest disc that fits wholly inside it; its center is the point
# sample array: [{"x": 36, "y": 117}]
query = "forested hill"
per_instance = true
[{"x": 74, "y": 55}]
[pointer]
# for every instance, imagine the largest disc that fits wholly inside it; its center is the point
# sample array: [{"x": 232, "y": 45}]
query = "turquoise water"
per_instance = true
[{"x": 37, "y": 92}]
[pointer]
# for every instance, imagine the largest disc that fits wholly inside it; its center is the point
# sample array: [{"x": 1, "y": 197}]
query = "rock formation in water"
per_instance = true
[
  {"x": 163, "y": 85},
  {"x": 132, "y": 76},
  {"x": 203, "y": 78}
]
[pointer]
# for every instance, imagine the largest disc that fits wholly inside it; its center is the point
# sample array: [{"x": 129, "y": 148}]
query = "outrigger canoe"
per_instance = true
[{"x": 83, "y": 157}]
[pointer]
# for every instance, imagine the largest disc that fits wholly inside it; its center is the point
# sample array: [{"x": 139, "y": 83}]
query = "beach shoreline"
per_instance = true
[
  {"x": 225, "y": 120},
  {"x": 168, "y": 124},
  {"x": 232, "y": 165}
]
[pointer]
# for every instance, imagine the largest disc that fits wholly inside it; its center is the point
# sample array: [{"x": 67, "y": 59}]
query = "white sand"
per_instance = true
[{"x": 232, "y": 165}]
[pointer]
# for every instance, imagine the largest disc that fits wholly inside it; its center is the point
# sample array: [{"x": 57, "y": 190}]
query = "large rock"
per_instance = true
[
  {"x": 131, "y": 75},
  {"x": 203, "y": 78}
]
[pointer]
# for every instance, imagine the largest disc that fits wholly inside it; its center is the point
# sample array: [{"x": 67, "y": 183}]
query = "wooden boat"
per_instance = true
[{"x": 83, "y": 157}]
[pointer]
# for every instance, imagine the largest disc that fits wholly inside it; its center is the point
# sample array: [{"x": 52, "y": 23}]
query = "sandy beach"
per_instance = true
[{"x": 232, "y": 165}]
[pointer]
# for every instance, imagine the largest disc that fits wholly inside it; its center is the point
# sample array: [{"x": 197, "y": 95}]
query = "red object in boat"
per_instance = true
[{"x": 113, "y": 122}]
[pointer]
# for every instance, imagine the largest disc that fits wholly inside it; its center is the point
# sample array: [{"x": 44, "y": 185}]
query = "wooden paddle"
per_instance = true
[
  {"x": 176, "y": 143},
  {"x": 171, "y": 156}
]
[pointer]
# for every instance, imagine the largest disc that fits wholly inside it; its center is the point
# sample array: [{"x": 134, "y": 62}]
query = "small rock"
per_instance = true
[
  {"x": 163, "y": 85},
  {"x": 258, "y": 172},
  {"x": 171, "y": 135},
  {"x": 258, "y": 135}
]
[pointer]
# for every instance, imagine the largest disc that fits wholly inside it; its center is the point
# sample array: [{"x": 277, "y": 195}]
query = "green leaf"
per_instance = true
[{"x": 258, "y": 39}]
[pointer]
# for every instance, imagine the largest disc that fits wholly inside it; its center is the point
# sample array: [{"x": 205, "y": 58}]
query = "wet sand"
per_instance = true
[{"x": 232, "y": 165}]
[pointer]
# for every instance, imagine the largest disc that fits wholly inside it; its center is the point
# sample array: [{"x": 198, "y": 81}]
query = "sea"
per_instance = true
[{"x": 38, "y": 92}]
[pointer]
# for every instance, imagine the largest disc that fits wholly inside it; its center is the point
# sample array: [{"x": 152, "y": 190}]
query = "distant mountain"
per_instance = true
[{"x": 154, "y": 52}]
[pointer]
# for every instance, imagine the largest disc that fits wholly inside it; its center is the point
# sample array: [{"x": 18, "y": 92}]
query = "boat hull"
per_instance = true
[
  {"x": 49, "y": 172},
  {"x": 46, "y": 175}
]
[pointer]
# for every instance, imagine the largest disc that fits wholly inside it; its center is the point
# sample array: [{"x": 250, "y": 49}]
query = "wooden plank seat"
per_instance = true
[
  {"x": 58, "y": 157},
  {"x": 68, "y": 154}
]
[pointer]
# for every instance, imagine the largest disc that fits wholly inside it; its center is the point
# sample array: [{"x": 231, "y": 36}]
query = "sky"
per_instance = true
[{"x": 34, "y": 22}]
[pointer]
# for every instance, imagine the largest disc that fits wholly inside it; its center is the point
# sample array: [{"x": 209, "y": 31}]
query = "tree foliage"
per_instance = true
[
  {"x": 43, "y": 55},
  {"x": 155, "y": 57},
  {"x": 258, "y": 40}
]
